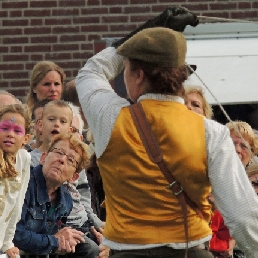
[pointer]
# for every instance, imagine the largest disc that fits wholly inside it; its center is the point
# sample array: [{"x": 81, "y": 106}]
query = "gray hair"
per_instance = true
[
  {"x": 4, "y": 92},
  {"x": 77, "y": 113}
]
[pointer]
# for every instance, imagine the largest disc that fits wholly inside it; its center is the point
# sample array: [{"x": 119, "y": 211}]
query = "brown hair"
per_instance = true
[
  {"x": 199, "y": 91},
  {"x": 58, "y": 103},
  {"x": 163, "y": 80},
  {"x": 39, "y": 104},
  {"x": 37, "y": 74},
  {"x": 78, "y": 146},
  {"x": 21, "y": 109},
  {"x": 70, "y": 94}
]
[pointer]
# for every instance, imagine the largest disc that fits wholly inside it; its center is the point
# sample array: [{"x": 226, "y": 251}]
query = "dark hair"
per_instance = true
[
  {"x": 163, "y": 80},
  {"x": 39, "y": 104},
  {"x": 70, "y": 94}
]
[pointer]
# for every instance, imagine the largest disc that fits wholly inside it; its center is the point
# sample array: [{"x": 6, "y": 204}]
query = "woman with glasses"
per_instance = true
[
  {"x": 246, "y": 145},
  {"x": 47, "y": 201}
]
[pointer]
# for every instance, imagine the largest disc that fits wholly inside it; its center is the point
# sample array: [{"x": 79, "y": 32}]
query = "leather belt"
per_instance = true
[{"x": 200, "y": 247}]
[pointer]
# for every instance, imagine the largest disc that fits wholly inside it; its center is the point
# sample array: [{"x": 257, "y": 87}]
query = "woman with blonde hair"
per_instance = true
[
  {"x": 247, "y": 145},
  {"x": 46, "y": 82},
  {"x": 196, "y": 101}
]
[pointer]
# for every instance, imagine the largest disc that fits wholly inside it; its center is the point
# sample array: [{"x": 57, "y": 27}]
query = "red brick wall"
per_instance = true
[{"x": 64, "y": 31}]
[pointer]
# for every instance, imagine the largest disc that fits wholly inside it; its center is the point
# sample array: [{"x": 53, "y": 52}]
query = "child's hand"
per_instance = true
[{"x": 12, "y": 252}]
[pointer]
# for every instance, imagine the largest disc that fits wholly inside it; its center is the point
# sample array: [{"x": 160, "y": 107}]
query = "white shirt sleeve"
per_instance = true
[
  {"x": 23, "y": 167},
  {"x": 101, "y": 110},
  {"x": 234, "y": 196}
]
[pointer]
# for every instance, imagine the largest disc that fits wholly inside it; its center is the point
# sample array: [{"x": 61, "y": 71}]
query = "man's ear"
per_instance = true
[
  {"x": 43, "y": 158},
  {"x": 140, "y": 76},
  {"x": 39, "y": 124},
  {"x": 74, "y": 178}
]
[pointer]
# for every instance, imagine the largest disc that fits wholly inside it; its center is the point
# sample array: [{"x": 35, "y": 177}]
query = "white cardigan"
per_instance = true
[{"x": 12, "y": 193}]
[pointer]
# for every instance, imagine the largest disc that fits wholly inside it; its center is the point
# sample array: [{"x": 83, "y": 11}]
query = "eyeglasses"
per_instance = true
[
  {"x": 243, "y": 146},
  {"x": 70, "y": 160},
  {"x": 75, "y": 130}
]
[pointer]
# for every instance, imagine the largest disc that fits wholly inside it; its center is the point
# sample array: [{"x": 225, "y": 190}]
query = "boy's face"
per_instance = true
[
  {"x": 12, "y": 132},
  {"x": 55, "y": 120}
]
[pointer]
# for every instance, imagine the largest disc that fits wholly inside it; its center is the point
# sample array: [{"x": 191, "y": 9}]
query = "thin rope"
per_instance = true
[
  {"x": 226, "y": 19},
  {"x": 223, "y": 110},
  {"x": 221, "y": 107}
]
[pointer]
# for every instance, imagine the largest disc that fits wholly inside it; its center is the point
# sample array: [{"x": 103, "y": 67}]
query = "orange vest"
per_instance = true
[{"x": 140, "y": 207}]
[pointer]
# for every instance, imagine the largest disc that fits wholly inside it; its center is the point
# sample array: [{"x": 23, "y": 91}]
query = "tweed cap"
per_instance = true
[{"x": 160, "y": 46}]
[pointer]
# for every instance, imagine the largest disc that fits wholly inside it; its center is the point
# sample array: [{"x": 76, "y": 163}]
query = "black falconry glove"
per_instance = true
[{"x": 175, "y": 18}]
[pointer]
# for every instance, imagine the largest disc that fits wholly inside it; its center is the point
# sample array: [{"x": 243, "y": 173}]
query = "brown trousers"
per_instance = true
[{"x": 161, "y": 252}]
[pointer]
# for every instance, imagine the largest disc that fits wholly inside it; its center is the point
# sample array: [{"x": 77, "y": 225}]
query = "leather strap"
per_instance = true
[{"x": 151, "y": 145}]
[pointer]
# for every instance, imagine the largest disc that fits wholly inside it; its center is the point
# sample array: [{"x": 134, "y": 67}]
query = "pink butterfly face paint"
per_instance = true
[{"x": 7, "y": 126}]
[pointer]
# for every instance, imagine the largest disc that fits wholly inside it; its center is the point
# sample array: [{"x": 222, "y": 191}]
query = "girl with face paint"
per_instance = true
[{"x": 14, "y": 171}]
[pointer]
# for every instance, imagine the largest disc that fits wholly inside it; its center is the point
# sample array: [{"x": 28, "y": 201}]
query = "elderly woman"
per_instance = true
[
  {"x": 247, "y": 145},
  {"x": 143, "y": 216},
  {"x": 47, "y": 200},
  {"x": 196, "y": 101},
  {"x": 46, "y": 82}
]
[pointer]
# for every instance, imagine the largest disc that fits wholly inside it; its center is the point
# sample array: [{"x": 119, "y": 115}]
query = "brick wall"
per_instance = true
[{"x": 64, "y": 31}]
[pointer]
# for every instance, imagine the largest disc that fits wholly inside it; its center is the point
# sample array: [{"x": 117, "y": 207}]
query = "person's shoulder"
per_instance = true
[
  {"x": 35, "y": 157},
  {"x": 67, "y": 189},
  {"x": 214, "y": 127},
  {"x": 35, "y": 152},
  {"x": 36, "y": 170},
  {"x": 36, "y": 176},
  {"x": 65, "y": 198},
  {"x": 23, "y": 159},
  {"x": 22, "y": 153}
]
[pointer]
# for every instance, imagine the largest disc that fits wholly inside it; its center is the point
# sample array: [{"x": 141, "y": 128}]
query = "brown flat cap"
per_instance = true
[{"x": 160, "y": 46}]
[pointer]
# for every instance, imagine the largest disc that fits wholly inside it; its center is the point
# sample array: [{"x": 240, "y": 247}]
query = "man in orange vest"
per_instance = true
[{"x": 144, "y": 217}]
